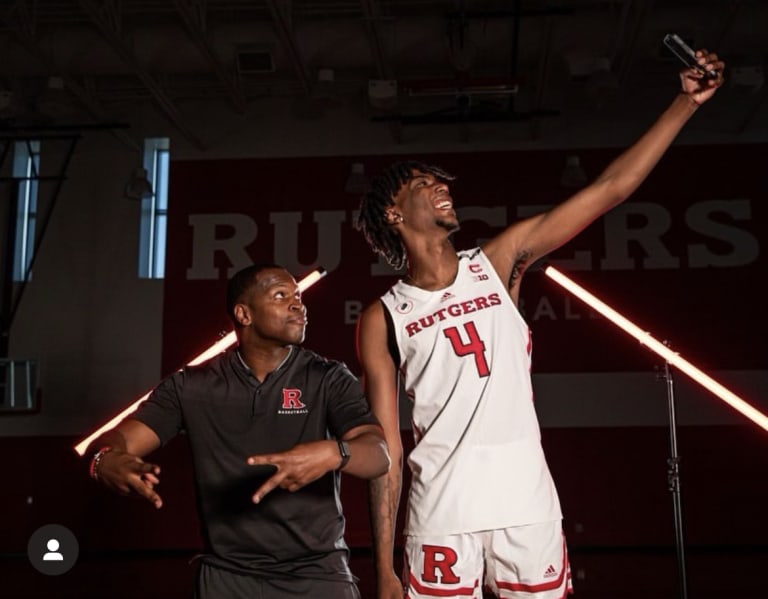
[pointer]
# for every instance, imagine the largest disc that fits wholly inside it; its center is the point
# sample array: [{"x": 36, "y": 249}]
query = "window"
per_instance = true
[
  {"x": 18, "y": 386},
  {"x": 154, "y": 209},
  {"x": 26, "y": 166}
]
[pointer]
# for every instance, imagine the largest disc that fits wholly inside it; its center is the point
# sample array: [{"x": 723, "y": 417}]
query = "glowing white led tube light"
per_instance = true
[
  {"x": 671, "y": 357},
  {"x": 218, "y": 347}
]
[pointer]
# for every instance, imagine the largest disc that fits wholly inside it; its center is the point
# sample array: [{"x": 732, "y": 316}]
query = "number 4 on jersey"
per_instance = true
[{"x": 475, "y": 347}]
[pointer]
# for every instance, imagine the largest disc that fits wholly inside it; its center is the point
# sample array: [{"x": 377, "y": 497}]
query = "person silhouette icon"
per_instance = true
[
  {"x": 53, "y": 554},
  {"x": 53, "y": 549}
]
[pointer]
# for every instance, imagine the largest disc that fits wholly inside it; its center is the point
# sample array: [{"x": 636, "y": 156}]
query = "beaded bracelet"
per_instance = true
[{"x": 93, "y": 469}]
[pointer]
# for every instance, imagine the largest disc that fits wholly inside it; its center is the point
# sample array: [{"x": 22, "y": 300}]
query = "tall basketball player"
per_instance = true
[{"x": 483, "y": 511}]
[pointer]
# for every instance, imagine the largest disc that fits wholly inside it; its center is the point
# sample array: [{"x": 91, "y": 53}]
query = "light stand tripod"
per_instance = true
[
  {"x": 671, "y": 359},
  {"x": 673, "y": 480}
]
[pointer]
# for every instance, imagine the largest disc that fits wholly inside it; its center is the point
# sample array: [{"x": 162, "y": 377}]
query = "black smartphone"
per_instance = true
[{"x": 685, "y": 53}]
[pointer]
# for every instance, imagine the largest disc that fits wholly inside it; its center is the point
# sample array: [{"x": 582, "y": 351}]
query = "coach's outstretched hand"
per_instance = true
[{"x": 126, "y": 473}]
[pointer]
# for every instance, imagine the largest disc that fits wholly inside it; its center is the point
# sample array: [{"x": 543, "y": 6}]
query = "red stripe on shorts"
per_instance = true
[
  {"x": 538, "y": 588},
  {"x": 422, "y": 590}
]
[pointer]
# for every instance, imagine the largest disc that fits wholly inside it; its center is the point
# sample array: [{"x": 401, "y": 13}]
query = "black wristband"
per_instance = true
[{"x": 344, "y": 452}]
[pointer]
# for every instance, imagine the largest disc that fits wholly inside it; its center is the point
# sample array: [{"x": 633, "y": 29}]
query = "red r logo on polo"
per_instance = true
[{"x": 292, "y": 399}]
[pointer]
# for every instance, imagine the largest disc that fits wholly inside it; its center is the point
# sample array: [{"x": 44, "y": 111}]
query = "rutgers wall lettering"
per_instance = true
[
  {"x": 715, "y": 228},
  {"x": 680, "y": 257}
]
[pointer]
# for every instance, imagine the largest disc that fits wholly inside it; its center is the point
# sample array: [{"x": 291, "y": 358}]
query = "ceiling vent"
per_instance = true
[{"x": 252, "y": 61}]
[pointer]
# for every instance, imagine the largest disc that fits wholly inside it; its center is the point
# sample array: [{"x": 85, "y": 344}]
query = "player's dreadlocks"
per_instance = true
[{"x": 372, "y": 221}]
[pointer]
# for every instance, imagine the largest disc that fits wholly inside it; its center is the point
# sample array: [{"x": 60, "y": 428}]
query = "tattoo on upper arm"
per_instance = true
[{"x": 518, "y": 267}]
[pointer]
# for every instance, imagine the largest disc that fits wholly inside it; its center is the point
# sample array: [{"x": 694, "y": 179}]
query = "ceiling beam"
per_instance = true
[
  {"x": 372, "y": 18},
  {"x": 194, "y": 16},
  {"x": 281, "y": 18},
  {"x": 750, "y": 114},
  {"x": 634, "y": 29},
  {"x": 542, "y": 75},
  {"x": 106, "y": 15},
  {"x": 24, "y": 33}
]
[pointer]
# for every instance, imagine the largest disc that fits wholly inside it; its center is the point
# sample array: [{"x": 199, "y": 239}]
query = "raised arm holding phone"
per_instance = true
[{"x": 483, "y": 511}]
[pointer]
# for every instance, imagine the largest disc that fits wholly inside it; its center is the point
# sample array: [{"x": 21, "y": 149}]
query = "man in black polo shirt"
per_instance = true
[{"x": 270, "y": 425}]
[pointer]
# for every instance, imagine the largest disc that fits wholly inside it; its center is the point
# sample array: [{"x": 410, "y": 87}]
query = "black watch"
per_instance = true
[{"x": 344, "y": 452}]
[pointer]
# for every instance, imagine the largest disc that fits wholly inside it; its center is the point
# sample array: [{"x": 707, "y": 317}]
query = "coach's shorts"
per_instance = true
[
  {"x": 521, "y": 562},
  {"x": 215, "y": 583}
]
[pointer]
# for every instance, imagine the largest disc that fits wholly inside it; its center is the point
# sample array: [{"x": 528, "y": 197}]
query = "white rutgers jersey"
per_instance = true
[{"x": 465, "y": 357}]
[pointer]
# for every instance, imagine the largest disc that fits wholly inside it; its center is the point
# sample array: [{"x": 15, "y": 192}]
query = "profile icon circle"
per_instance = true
[{"x": 53, "y": 549}]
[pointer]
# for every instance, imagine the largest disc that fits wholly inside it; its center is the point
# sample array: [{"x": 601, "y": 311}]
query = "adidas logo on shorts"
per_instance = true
[{"x": 550, "y": 572}]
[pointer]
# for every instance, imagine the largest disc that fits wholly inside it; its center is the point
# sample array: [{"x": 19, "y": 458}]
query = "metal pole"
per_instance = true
[{"x": 673, "y": 479}]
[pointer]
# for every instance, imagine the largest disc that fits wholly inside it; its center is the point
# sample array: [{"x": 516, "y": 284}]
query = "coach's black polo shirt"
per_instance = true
[{"x": 229, "y": 415}]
